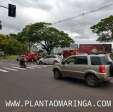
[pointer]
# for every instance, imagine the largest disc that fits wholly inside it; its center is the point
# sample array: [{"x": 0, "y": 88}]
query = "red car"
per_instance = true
[{"x": 32, "y": 56}]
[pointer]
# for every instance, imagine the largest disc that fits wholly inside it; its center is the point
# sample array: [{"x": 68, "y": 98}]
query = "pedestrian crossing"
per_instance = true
[
  {"x": 16, "y": 68},
  {"x": 2, "y": 70}
]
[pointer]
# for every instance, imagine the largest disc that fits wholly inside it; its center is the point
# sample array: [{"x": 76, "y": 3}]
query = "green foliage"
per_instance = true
[
  {"x": 9, "y": 57},
  {"x": 104, "y": 29},
  {"x": 48, "y": 37},
  {"x": 10, "y": 45}
]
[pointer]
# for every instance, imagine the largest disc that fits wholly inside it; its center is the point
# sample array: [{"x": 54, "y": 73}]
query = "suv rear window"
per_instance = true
[{"x": 96, "y": 60}]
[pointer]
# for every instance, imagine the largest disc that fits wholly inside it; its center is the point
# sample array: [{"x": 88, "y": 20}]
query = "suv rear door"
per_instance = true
[{"x": 96, "y": 61}]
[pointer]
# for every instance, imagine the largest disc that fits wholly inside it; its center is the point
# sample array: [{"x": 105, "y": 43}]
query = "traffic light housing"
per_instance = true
[
  {"x": 0, "y": 25},
  {"x": 11, "y": 10}
]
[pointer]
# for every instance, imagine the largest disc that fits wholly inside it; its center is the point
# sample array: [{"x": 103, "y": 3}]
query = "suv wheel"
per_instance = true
[
  {"x": 91, "y": 80},
  {"x": 57, "y": 74}
]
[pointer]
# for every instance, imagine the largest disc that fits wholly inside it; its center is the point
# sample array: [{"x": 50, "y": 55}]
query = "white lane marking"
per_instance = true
[
  {"x": 37, "y": 66},
  {"x": 14, "y": 64},
  {"x": 10, "y": 68},
  {"x": 2, "y": 70},
  {"x": 19, "y": 68},
  {"x": 33, "y": 67},
  {"x": 45, "y": 65}
]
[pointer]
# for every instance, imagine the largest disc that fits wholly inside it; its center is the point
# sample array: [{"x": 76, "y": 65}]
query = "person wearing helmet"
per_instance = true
[{"x": 22, "y": 61}]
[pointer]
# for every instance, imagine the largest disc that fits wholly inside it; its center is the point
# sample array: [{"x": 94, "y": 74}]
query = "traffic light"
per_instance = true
[
  {"x": 0, "y": 25},
  {"x": 11, "y": 10}
]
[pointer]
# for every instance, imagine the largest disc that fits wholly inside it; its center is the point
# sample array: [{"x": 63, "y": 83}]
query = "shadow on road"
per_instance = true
[{"x": 82, "y": 83}]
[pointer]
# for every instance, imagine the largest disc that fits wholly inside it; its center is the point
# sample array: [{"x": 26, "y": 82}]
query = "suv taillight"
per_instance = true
[{"x": 102, "y": 69}]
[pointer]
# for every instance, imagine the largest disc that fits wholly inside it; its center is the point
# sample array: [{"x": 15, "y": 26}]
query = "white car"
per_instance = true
[{"x": 52, "y": 59}]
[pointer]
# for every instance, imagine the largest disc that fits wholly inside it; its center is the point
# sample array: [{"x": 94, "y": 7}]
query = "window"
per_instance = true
[
  {"x": 81, "y": 60},
  {"x": 50, "y": 57},
  {"x": 70, "y": 60},
  {"x": 77, "y": 60},
  {"x": 46, "y": 57},
  {"x": 95, "y": 60}
]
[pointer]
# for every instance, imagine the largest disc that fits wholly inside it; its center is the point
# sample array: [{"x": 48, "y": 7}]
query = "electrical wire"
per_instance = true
[
  {"x": 83, "y": 14},
  {"x": 7, "y": 0}
]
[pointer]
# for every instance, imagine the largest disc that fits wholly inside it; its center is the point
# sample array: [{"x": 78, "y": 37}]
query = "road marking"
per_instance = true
[
  {"x": 2, "y": 70},
  {"x": 19, "y": 68},
  {"x": 10, "y": 68},
  {"x": 14, "y": 64},
  {"x": 15, "y": 67},
  {"x": 33, "y": 67}
]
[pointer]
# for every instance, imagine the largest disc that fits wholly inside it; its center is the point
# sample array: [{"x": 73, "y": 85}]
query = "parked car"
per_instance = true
[
  {"x": 52, "y": 59},
  {"x": 94, "y": 69}
]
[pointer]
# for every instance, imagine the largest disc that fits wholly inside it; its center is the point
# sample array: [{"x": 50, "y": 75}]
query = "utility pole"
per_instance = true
[{"x": 0, "y": 25}]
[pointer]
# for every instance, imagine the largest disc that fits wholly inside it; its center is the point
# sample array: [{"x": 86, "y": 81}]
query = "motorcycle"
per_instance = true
[{"x": 22, "y": 62}]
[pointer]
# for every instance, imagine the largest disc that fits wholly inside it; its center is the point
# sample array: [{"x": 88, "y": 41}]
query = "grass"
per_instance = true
[{"x": 9, "y": 57}]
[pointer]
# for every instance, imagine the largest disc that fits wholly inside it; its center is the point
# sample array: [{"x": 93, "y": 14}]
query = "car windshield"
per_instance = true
[{"x": 96, "y": 60}]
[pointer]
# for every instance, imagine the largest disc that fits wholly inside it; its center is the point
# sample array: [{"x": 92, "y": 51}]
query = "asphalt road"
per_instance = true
[{"x": 36, "y": 83}]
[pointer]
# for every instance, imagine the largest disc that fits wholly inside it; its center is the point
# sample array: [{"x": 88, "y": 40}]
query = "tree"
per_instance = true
[
  {"x": 48, "y": 37},
  {"x": 104, "y": 29},
  {"x": 3, "y": 41},
  {"x": 11, "y": 45}
]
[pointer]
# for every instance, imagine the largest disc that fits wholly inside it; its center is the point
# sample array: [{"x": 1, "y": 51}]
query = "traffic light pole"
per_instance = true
[
  {"x": 11, "y": 11},
  {"x": 0, "y": 20}
]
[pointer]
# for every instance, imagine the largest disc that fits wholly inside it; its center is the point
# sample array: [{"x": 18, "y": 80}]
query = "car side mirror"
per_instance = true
[{"x": 63, "y": 62}]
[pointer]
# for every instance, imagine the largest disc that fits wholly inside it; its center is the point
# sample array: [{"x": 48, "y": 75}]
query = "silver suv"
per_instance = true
[{"x": 95, "y": 69}]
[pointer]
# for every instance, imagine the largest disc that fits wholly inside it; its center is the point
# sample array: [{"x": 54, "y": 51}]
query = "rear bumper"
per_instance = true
[
  {"x": 104, "y": 77},
  {"x": 108, "y": 78}
]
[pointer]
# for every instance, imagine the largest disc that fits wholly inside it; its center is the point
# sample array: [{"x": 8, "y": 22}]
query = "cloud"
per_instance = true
[{"x": 30, "y": 11}]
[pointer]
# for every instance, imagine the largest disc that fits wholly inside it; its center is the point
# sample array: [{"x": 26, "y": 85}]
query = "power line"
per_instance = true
[
  {"x": 3, "y": 6},
  {"x": 7, "y": 0},
  {"x": 83, "y": 14},
  {"x": 11, "y": 0}
]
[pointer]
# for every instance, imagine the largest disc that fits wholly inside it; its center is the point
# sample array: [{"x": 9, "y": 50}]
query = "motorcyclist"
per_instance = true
[{"x": 22, "y": 61}]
